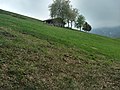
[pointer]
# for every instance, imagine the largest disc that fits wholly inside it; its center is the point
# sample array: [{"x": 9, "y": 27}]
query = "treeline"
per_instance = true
[{"x": 63, "y": 9}]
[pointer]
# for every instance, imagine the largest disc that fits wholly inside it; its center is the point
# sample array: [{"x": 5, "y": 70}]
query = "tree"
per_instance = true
[
  {"x": 63, "y": 9},
  {"x": 87, "y": 27},
  {"x": 73, "y": 15},
  {"x": 59, "y": 8},
  {"x": 67, "y": 11},
  {"x": 80, "y": 21}
]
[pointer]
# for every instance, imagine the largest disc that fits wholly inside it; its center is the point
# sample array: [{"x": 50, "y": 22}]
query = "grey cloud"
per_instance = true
[
  {"x": 34, "y": 8},
  {"x": 101, "y": 13}
]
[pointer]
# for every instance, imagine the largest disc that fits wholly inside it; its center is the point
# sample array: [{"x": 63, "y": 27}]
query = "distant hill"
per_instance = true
[{"x": 109, "y": 32}]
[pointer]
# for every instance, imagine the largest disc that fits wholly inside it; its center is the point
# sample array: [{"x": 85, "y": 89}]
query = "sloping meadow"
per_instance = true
[{"x": 37, "y": 56}]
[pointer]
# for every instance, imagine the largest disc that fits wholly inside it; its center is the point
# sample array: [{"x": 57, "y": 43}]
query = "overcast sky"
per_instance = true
[{"x": 99, "y": 13}]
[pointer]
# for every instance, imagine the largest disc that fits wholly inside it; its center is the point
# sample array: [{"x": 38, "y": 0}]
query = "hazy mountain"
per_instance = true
[{"x": 110, "y": 32}]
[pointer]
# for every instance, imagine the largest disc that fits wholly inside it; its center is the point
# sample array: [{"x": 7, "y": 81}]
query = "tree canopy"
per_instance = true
[
  {"x": 59, "y": 9},
  {"x": 86, "y": 27},
  {"x": 80, "y": 21}
]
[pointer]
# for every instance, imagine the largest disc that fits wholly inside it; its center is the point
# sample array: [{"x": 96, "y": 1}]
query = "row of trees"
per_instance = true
[
  {"x": 82, "y": 24},
  {"x": 63, "y": 9}
]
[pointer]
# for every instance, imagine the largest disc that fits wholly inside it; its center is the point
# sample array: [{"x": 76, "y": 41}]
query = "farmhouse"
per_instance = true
[{"x": 56, "y": 22}]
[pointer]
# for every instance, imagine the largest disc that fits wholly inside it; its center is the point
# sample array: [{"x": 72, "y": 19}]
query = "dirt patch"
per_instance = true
[{"x": 6, "y": 34}]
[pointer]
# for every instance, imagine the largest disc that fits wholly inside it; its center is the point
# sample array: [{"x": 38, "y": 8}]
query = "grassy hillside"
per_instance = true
[{"x": 36, "y": 56}]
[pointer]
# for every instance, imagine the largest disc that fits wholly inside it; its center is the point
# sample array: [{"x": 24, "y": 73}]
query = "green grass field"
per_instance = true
[{"x": 36, "y": 56}]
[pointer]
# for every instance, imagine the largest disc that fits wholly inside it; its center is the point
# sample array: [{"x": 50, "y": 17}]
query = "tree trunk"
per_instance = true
[
  {"x": 80, "y": 28},
  {"x": 68, "y": 23},
  {"x": 71, "y": 23}
]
